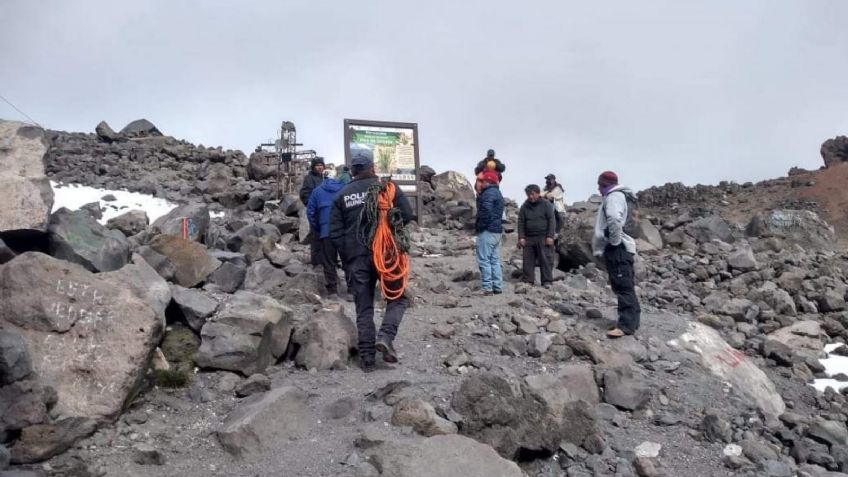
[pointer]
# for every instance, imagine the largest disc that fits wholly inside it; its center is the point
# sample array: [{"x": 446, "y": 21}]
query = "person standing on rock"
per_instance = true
[
  {"x": 349, "y": 231},
  {"x": 618, "y": 250},
  {"x": 489, "y": 227},
  {"x": 490, "y": 163},
  {"x": 311, "y": 180},
  {"x": 536, "y": 231},
  {"x": 555, "y": 194},
  {"x": 318, "y": 212}
]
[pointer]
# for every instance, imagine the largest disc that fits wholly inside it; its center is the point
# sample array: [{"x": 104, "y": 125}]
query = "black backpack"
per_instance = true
[{"x": 631, "y": 221}]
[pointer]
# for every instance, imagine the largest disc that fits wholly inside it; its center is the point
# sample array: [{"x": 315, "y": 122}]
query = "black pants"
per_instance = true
[
  {"x": 623, "y": 281},
  {"x": 314, "y": 248},
  {"x": 537, "y": 253},
  {"x": 363, "y": 281},
  {"x": 330, "y": 262}
]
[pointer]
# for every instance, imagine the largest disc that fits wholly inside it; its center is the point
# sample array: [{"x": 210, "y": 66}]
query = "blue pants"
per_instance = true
[{"x": 489, "y": 260}]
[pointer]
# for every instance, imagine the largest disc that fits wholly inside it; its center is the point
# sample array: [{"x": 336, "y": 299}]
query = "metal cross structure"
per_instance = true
[{"x": 290, "y": 161}]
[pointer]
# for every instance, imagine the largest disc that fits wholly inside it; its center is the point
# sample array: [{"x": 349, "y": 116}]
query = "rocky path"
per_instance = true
[{"x": 176, "y": 428}]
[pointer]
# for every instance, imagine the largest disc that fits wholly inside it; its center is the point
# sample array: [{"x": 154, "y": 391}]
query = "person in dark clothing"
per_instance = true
[
  {"x": 618, "y": 251},
  {"x": 536, "y": 231},
  {"x": 318, "y": 213},
  {"x": 311, "y": 180},
  {"x": 489, "y": 227},
  {"x": 490, "y": 163},
  {"x": 349, "y": 233}
]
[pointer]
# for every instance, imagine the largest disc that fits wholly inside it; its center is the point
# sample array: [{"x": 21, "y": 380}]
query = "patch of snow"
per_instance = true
[
  {"x": 217, "y": 215},
  {"x": 74, "y": 196},
  {"x": 833, "y": 365}
]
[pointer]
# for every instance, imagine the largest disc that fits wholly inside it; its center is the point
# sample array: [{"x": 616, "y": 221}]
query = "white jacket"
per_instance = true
[
  {"x": 611, "y": 217},
  {"x": 557, "y": 196}
]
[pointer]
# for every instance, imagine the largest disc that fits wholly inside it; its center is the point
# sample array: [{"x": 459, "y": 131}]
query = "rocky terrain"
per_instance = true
[{"x": 200, "y": 344}]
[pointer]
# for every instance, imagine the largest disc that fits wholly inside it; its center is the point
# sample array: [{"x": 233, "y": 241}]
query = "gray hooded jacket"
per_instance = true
[{"x": 609, "y": 224}]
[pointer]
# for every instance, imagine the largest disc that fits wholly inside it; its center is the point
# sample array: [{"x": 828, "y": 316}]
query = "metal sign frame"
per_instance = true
[{"x": 415, "y": 196}]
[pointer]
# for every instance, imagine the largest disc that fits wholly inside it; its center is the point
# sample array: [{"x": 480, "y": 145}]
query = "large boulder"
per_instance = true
[
  {"x": 43, "y": 441},
  {"x": 326, "y": 340},
  {"x": 835, "y": 151},
  {"x": 219, "y": 178},
  {"x": 27, "y": 195},
  {"x": 89, "y": 336},
  {"x": 191, "y": 218},
  {"x": 15, "y": 361},
  {"x": 710, "y": 228},
  {"x": 143, "y": 281},
  {"x": 443, "y": 456},
  {"x": 625, "y": 389},
  {"x": 105, "y": 132},
  {"x": 510, "y": 418},
  {"x": 421, "y": 416},
  {"x": 129, "y": 223},
  {"x": 804, "y": 338},
  {"x": 570, "y": 384},
  {"x": 453, "y": 186},
  {"x": 265, "y": 422},
  {"x": 247, "y": 334},
  {"x": 575, "y": 241},
  {"x": 262, "y": 165},
  {"x": 801, "y": 227},
  {"x": 140, "y": 128},
  {"x": 707, "y": 348},
  {"x": 195, "y": 306},
  {"x": 191, "y": 260},
  {"x": 75, "y": 236}
]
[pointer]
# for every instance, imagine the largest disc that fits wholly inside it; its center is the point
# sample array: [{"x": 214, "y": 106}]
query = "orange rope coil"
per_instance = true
[{"x": 391, "y": 262}]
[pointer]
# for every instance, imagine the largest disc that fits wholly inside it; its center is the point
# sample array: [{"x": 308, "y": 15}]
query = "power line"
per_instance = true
[{"x": 18, "y": 110}]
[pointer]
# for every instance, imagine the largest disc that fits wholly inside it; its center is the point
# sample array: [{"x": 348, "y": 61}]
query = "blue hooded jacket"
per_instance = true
[
  {"x": 490, "y": 208},
  {"x": 319, "y": 204}
]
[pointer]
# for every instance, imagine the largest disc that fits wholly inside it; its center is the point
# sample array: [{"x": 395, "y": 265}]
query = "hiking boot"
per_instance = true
[
  {"x": 615, "y": 333},
  {"x": 486, "y": 292},
  {"x": 385, "y": 346},
  {"x": 368, "y": 365},
  {"x": 497, "y": 292}
]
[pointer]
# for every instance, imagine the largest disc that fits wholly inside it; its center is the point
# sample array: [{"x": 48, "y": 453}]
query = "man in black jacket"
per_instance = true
[
  {"x": 490, "y": 162},
  {"x": 349, "y": 233},
  {"x": 536, "y": 231},
  {"x": 311, "y": 181}
]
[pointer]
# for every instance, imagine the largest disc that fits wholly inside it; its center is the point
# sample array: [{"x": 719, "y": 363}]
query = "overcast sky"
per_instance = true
[{"x": 658, "y": 91}]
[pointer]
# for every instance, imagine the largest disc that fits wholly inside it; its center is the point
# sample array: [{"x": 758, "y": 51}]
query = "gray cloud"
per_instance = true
[{"x": 655, "y": 90}]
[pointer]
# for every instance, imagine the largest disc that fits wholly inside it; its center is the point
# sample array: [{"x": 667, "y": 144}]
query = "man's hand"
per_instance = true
[
  {"x": 549, "y": 241},
  {"x": 522, "y": 242}
]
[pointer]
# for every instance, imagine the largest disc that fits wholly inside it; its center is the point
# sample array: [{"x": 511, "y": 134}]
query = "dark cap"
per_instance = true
[
  {"x": 361, "y": 160},
  {"x": 315, "y": 161},
  {"x": 550, "y": 177},
  {"x": 490, "y": 153}
]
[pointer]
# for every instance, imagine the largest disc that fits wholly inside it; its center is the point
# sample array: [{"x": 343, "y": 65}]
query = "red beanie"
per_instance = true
[
  {"x": 607, "y": 178},
  {"x": 491, "y": 177}
]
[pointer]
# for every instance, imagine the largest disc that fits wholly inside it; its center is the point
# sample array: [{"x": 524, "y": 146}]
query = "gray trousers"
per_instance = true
[
  {"x": 363, "y": 281},
  {"x": 537, "y": 253}
]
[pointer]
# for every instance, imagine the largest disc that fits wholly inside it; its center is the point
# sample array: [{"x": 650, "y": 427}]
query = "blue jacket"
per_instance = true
[
  {"x": 319, "y": 204},
  {"x": 490, "y": 207}
]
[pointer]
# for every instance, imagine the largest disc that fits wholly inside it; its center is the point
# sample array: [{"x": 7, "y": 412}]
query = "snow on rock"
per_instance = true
[
  {"x": 833, "y": 365},
  {"x": 74, "y": 196}
]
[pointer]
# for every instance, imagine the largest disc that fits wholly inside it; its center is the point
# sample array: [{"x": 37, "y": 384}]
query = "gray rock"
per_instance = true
[
  {"x": 159, "y": 262},
  {"x": 28, "y": 197},
  {"x": 801, "y": 227},
  {"x": 143, "y": 281},
  {"x": 514, "y": 346},
  {"x": 262, "y": 166},
  {"x": 228, "y": 277},
  {"x": 743, "y": 259},
  {"x": 831, "y": 301},
  {"x": 255, "y": 428},
  {"x": 140, "y": 128},
  {"x": 570, "y": 384},
  {"x": 219, "y": 178},
  {"x": 5, "y": 457},
  {"x": 129, "y": 223},
  {"x": 43, "y": 441},
  {"x": 15, "y": 362},
  {"x": 268, "y": 232},
  {"x": 144, "y": 454},
  {"x": 623, "y": 389},
  {"x": 93, "y": 209},
  {"x": 832, "y": 433},
  {"x": 421, "y": 417},
  {"x": 105, "y": 133},
  {"x": 716, "y": 428},
  {"x": 77, "y": 237},
  {"x": 114, "y": 333},
  {"x": 538, "y": 344},
  {"x": 255, "y": 383},
  {"x": 195, "y": 306},
  {"x": 709, "y": 229},
  {"x": 507, "y": 416},
  {"x": 196, "y": 215},
  {"x": 326, "y": 340},
  {"x": 445, "y": 456},
  {"x": 25, "y": 403},
  {"x": 341, "y": 408},
  {"x": 757, "y": 451},
  {"x": 262, "y": 276},
  {"x": 6, "y": 253},
  {"x": 191, "y": 260},
  {"x": 249, "y": 332}
]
